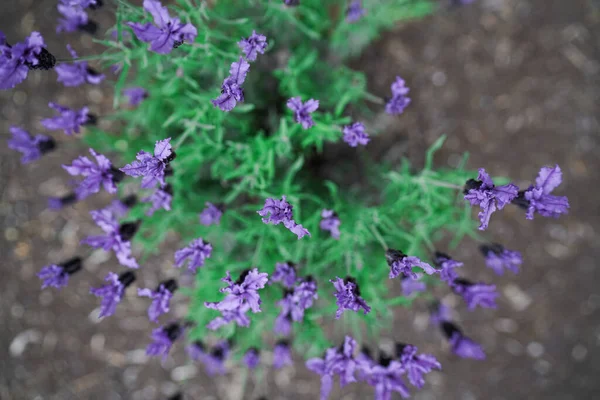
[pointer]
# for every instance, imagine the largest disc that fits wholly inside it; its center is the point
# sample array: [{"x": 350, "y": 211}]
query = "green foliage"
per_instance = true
[{"x": 258, "y": 151}]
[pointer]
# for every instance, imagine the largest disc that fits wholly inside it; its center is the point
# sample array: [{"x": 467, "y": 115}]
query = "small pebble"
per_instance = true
[{"x": 535, "y": 349}]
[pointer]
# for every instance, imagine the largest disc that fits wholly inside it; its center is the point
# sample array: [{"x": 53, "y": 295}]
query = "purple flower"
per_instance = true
[
  {"x": 498, "y": 258},
  {"x": 488, "y": 196},
  {"x": 284, "y": 273},
  {"x": 399, "y": 100},
  {"x": 92, "y": 4},
  {"x": 117, "y": 236},
  {"x": 282, "y": 354},
  {"x": 113, "y": 291},
  {"x": 291, "y": 3},
  {"x": 348, "y": 296},
  {"x": 231, "y": 89},
  {"x": 252, "y": 358},
  {"x": 94, "y": 175},
  {"x": 385, "y": 377},
  {"x": 415, "y": 364},
  {"x": 120, "y": 208},
  {"x": 161, "y": 198},
  {"x": 17, "y": 60},
  {"x": 163, "y": 339},
  {"x": 355, "y": 134},
  {"x": 410, "y": 286},
  {"x": 283, "y": 324},
  {"x": 294, "y": 303},
  {"x": 401, "y": 263},
  {"x": 74, "y": 19},
  {"x": 77, "y": 73},
  {"x": 355, "y": 11},
  {"x": 243, "y": 291},
  {"x": 56, "y": 203},
  {"x": 151, "y": 167},
  {"x": 135, "y": 95},
  {"x": 196, "y": 252},
  {"x": 214, "y": 362},
  {"x": 461, "y": 345},
  {"x": 254, "y": 44},
  {"x": 302, "y": 112},
  {"x": 439, "y": 313},
  {"x": 539, "y": 196},
  {"x": 278, "y": 211},
  {"x": 68, "y": 120},
  {"x": 167, "y": 33},
  {"x": 238, "y": 315},
  {"x": 31, "y": 147},
  {"x": 446, "y": 266},
  {"x": 331, "y": 223},
  {"x": 161, "y": 297},
  {"x": 57, "y": 275},
  {"x": 476, "y": 294},
  {"x": 211, "y": 214}
]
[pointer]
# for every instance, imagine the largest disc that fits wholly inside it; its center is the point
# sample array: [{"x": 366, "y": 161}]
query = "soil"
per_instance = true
[{"x": 513, "y": 82}]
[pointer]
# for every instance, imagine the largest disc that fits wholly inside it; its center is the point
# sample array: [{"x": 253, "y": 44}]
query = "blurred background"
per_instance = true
[{"x": 513, "y": 82}]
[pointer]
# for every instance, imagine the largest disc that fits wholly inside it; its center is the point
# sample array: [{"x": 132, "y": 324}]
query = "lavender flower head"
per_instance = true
[
  {"x": 77, "y": 73},
  {"x": 386, "y": 378},
  {"x": 291, "y": 3},
  {"x": 135, "y": 95},
  {"x": 17, "y": 60},
  {"x": 446, "y": 266},
  {"x": 161, "y": 297},
  {"x": 415, "y": 364},
  {"x": 461, "y": 345},
  {"x": 120, "y": 207},
  {"x": 439, "y": 313},
  {"x": 355, "y": 134},
  {"x": 112, "y": 293},
  {"x": 294, "y": 303},
  {"x": 302, "y": 112},
  {"x": 68, "y": 120},
  {"x": 489, "y": 197},
  {"x": 231, "y": 89},
  {"x": 211, "y": 214},
  {"x": 253, "y": 45},
  {"x": 331, "y": 223},
  {"x": 400, "y": 263},
  {"x": 56, "y": 203},
  {"x": 151, "y": 167},
  {"x": 355, "y": 11},
  {"x": 284, "y": 273},
  {"x": 31, "y": 147},
  {"x": 214, "y": 362},
  {"x": 57, "y": 275},
  {"x": 399, "y": 100},
  {"x": 167, "y": 33},
  {"x": 476, "y": 294},
  {"x": 539, "y": 197},
  {"x": 338, "y": 361},
  {"x": 278, "y": 211},
  {"x": 196, "y": 253},
  {"x": 410, "y": 286},
  {"x": 252, "y": 358},
  {"x": 95, "y": 175},
  {"x": 73, "y": 19},
  {"x": 282, "y": 354},
  {"x": 160, "y": 198},
  {"x": 238, "y": 315},
  {"x": 92, "y": 4},
  {"x": 163, "y": 339},
  {"x": 243, "y": 291},
  {"x": 348, "y": 296},
  {"x": 117, "y": 237},
  {"x": 498, "y": 258}
]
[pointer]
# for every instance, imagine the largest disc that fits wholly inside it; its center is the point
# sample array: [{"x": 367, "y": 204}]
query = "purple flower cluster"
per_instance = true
[
  {"x": 410, "y": 285},
  {"x": 498, "y": 258},
  {"x": 161, "y": 297},
  {"x": 348, "y": 297},
  {"x": 331, "y": 223},
  {"x": 74, "y": 17},
  {"x": 57, "y": 275},
  {"x": 285, "y": 273},
  {"x": 446, "y": 267},
  {"x": 303, "y": 111},
  {"x": 231, "y": 89},
  {"x": 17, "y": 60},
  {"x": 163, "y": 339},
  {"x": 355, "y": 11},
  {"x": 337, "y": 361},
  {"x": 400, "y": 263},
  {"x": 95, "y": 175},
  {"x": 77, "y": 73},
  {"x": 31, "y": 147},
  {"x": 112, "y": 292},
  {"x": 460, "y": 344},
  {"x": 539, "y": 197},
  {"x": 70, "y": 121},
  {"x": 278, "y": 211},
  {"x": 253, "y": 45},
  {"x": 399, "y": 100},
  {"x": 195, "y": 253},
  {"x": 252, "y": 358},
  {"x": 160, "y": 198},
  {"x": 214, "y": 360},
  {"x": 355, "y": 134},
  {"x": 294, "y": 303},
  {"x": 475, "y": 294},
  {"x": 152, "y": 167},
  {"x": 211, "y": 215},
  {"x": 135, "y": 95}
]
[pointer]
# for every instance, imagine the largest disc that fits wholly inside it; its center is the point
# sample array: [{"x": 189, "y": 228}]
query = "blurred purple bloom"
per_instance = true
[
  {"x": 284, "y": 273},
  {"x": 160, "y": 198},
  {"x": 167, "y": 33},
  {"x": 331, "y": 223},
  {"x": 282, "y": 354},
  {"x": 283, "y": 324},
  {"x": 415, "y": 364},
  {"x": 211, "y": 214},
  {"x": 439, "y": 313},
  {"x": 539, "y": 196},
  {"x": 151, "y": 167},
  {"x": 31, "y": 147},
  {"x": 355, "y": 11},
  {"x": 77, "y": 73},
  {"x": 348, "y": 296},
  {"x": 461, "y": 345},
  {"x": 68, "y": 120},
  {"x": 498, "y": 258},
  {"x": 238, "y": 315},
  {"x": 296, "y": 229},
  {"x": 243, "y": 291},
  {"x": 161, "y": 297},
  {"x": 74, "y": 18},
  {"x": 385, "y": 377},
  {"x": 355, "y": 134},
  {"x": 400, "y": 263},
  {"x": 120, "y": 208},
  {"x": 117, "y": 236},
  {"x": 302, "y": 112},
  {"x": 112, "y": 292},
  {"x": 410, "y": 286},
  {"x": 93, "y": 4},
  {"x": 476, "y": 294},
  {"x": 446, "y": 266},
  {"x": 254, "y": 44},
  {"x": 57, "y": 275},
  {"x": 278, "y": 211},
  {"x": 214, "y": 362},
  {"x": 489, "y": 197},
  {"x": 17, "y": 60},
  {"x": 294, "y": 303},
  {"x": 135, "y": 95},
  {"x": 399, "y": 100},
  {"x": 252, "y": 358},
  {"x": 163, "y": 339},
  {"x": 56, "y": 203},
  {"x": 291, "y": 3},
  {"x": 231, "y": 89},
  {"x": 196, "y": 252},
  {"x": 95, "y": 175}
]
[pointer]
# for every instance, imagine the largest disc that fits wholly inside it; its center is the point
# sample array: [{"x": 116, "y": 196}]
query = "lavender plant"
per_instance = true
[{"x": 228, "y": 101}]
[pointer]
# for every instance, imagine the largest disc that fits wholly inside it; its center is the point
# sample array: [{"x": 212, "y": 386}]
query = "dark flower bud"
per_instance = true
[
  {"x": 177, "y": 43},
  {"x": 173, "y": 331},
  {"x": 128, "y": 229},
  {"x": 170, "y": 285},
  {"x": 47, "y": 146},
  {"x": 117, "y": 176},
  {"x": 92, "y": 72},
  {"x": 127, "y": 278},
  {"x": 60, "y": 202},
  {"x": 495, "y": 248},
  {"x": 471, "y": 184},
  {"x": 130, "y": 200},
  {"x": 91, "y": 120},
  {"x": 91, "y": 27},
  {"x": 46, "y": 61},
  {"x": 448, "y": 328},
  {"x": 352, "y": 280},
  {"x": 171, "y": 157},
  {"x": 176, "y": 396},
  {"x": 243, "y": 276},
  {"x": 71, "y": 266},
  {"x": 521, "y": 201},
  {"x": 400, "y": 349},
  {"x": 391, "y": 256},
  {"x": 99, "y": 3},
  {"x": 384, "y": 359},
  {"x": 463, "y": 282},
  {"x": 168, "y": 170}
]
